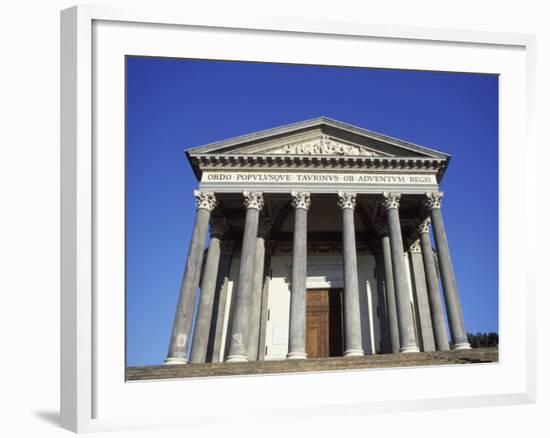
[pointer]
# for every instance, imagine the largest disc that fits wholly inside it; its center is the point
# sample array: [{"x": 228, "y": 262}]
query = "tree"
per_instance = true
[
  {"x": 492, "y": 339},
  {"x": 480, "y": 340}
]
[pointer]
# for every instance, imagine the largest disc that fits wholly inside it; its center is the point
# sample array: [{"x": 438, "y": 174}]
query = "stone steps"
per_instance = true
[{"x": 477, "y": 355}]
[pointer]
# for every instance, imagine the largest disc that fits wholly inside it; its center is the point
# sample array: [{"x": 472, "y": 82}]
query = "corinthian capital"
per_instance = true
[
  {"x": 205, "y": 200},
  {"x": 390, "y": 200},
  {"x": 253, "y": 200},
  {"x": 218, "y": 227},
  {"x": 424, "y": 227},
  {"x": 433, "y": 200},
  {"x": 415, "y": 246},
  {"x": 300, "y": 200},
  {"x": 346, "y": 200}
]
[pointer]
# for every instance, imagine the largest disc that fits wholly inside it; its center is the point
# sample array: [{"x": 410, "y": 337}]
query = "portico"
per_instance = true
[{"x": 319, "y": 243}]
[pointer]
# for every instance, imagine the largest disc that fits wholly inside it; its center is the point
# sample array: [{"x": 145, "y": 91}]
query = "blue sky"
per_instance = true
[{"x": 176, "y": 104}]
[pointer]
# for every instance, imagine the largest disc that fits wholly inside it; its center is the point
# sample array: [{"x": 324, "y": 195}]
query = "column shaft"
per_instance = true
[
  {"x": 264, "y": 312},
  {"x": 407, "y": 336},
  {"x": 393, "y": 325},
  {"x": 448, "y": 280},
  {"x": 178, "y": 350},
  {"x": 257, "y": 286},
  {"x": 219, "y": 314},
  {"x": 436, "y": 308},
  {"x": 422, "y": 305},
  {"x": 297, "y": 323},
  {"x": 353, "y": 345},
  {"x": 382, "y": 306},
  {"x": 238, "y": 349},
  {"x": 206, "y": 302}
]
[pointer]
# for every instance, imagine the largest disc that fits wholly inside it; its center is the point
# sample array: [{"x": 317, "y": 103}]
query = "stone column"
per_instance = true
[
  {"x": 393, "y": 325},
  {"x": 422, "y": 304},
  {"x": 264, "y": 310},
  {"x": 203, "y": 320},
  {"x": 353, "y": 345},
  {"x": 448, "y": 280},
  {"x": 407, "y": 337},
  {"x": 218, "y": 315},
  {"x": 257, "y": 289},
  {"x": 436, "y": 309},
  {"x": 238, "y": 347},
  {"x": 382, "y": 305},
  {"x": 297, "y": 326},
  {"x": 179, "y": 342}
]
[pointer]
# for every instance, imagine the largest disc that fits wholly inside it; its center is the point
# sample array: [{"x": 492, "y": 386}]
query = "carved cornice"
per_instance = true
[
  {"x": 300, "y": 200},
  {"x": 433, "y": 200},
  {"x": 218, "y": 227},
  {"x": 253, "y": 200},
  {"x": 287, "y": 161},
  {"x": 390, "y": 200},
  {"x": 205, "y": 200},
  {"x": 346, "y": 200}
]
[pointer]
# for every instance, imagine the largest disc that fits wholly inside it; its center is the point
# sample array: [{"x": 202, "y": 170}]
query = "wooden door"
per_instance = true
[{"x": 324, "y": 322}]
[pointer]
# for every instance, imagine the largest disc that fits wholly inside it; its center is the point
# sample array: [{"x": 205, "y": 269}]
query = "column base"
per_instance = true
[
  {"x": 296, "y": 355},
  {"x": 175, "y": 361},
  {"x": 236, "y": 358},
  {"x": 409, "y": 349},
  {"x": 462, "y": 346},
  {"x": 354, "y": 353}
]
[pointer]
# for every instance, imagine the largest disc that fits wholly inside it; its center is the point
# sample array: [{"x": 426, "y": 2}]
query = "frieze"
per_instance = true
[{"x": 340, "y": 178}]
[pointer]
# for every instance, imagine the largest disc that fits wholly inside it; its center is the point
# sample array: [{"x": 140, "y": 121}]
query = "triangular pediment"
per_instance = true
[{"x": 317, "y": 137}]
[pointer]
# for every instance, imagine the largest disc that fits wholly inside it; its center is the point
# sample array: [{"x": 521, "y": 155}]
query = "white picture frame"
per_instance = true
[{"x": 93, "y": 396}]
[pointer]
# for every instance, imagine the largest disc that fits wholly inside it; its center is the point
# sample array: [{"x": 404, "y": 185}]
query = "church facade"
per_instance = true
[{"x": 320, "y": 245}]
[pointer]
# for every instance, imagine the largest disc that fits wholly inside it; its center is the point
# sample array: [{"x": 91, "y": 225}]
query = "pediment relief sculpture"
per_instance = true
[{"x": 322, "y": 146}]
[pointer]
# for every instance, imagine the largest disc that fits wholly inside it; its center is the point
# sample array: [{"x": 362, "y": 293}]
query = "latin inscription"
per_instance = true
[{"x": 316, "y": 178}]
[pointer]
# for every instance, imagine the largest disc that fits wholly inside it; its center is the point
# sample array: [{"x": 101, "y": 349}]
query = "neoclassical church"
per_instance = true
[{"x": 316, "y": 239}]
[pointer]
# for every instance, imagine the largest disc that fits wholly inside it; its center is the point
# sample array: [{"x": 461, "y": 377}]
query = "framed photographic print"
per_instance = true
[{"x": 318, "y": 214}]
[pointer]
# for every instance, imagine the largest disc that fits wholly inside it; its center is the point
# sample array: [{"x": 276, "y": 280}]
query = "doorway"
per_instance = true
[{"x": 324, "y": 323}]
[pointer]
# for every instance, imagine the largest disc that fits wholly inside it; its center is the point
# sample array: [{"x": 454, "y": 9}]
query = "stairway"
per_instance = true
[{"x": 157, "y": 372}]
